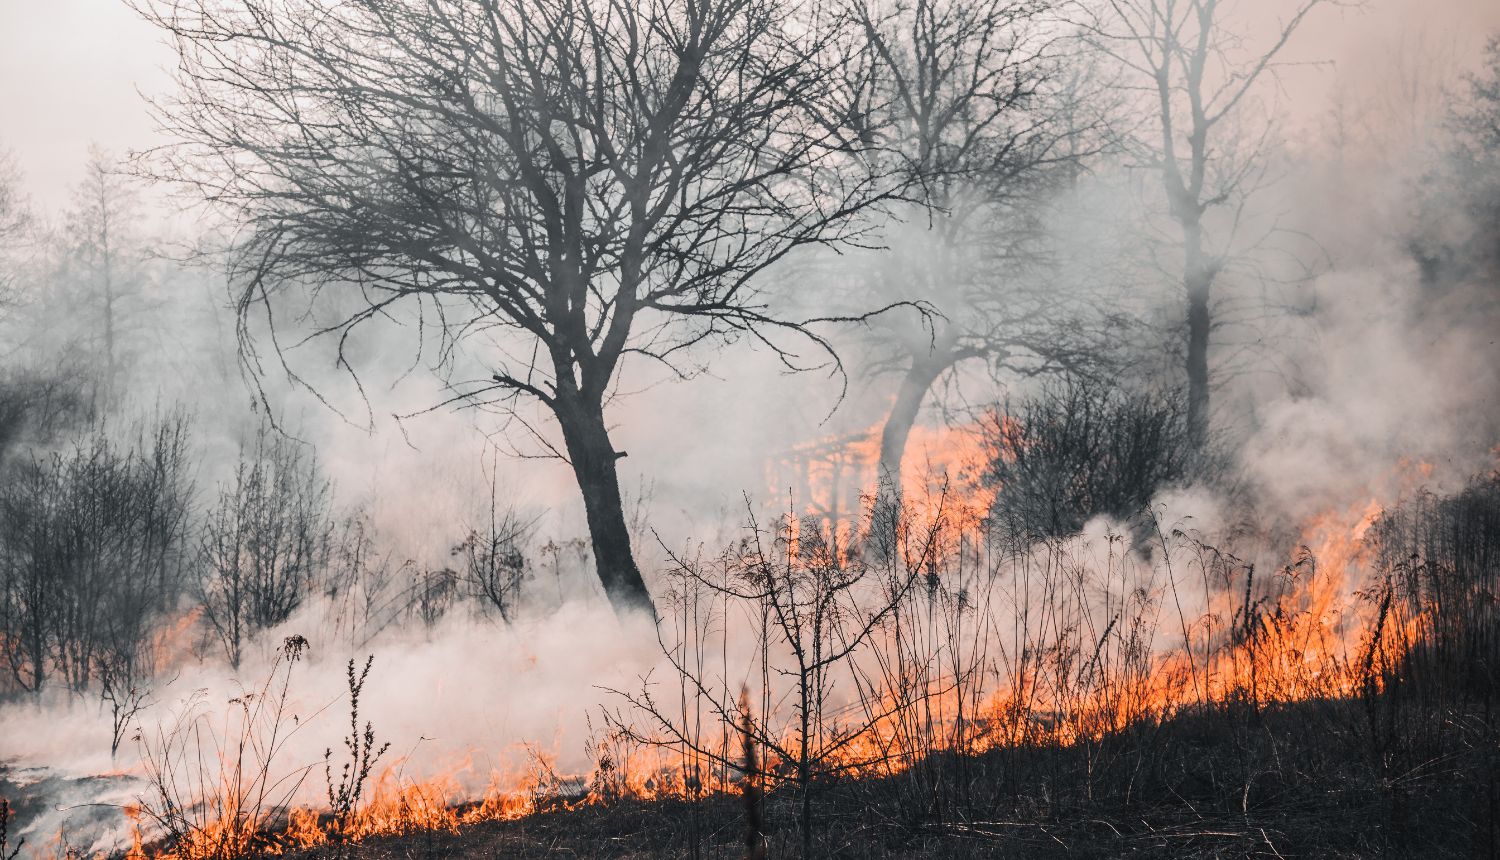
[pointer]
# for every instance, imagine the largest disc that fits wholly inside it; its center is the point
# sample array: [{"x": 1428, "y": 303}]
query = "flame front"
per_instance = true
[{"x": 1060, "y": 642}]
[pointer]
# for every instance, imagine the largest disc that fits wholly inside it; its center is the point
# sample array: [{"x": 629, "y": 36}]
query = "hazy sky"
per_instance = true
[
  {"x": 70, "y": 70},
  {"x": 69, "y": 73}
]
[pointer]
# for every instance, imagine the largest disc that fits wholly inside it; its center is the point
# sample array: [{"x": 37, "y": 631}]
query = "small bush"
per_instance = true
[
  {"x": 1078, "y": 450},
  {"x": 1441, "y": 557},
  {"x": 265, "y": 542},
  {"x": 92, "y": 544},
  {"x": 345, "y": 792}
]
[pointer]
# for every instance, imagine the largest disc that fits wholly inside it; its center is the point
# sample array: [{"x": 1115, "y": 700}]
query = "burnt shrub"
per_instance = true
[
  {"x": 92, "y": 546},
  {"x": 265, "y": 541},
  {"x": 1441, "y": 560},
  {"x": 1079, "y": 449}
]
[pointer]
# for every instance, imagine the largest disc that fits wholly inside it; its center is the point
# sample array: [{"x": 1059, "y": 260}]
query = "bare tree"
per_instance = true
[
  {"x": 91, "y": 558},
  {"x": 1455, "y": 236},
  {"x": 1194, "y": 68},
  {"x": 39, "y": 406},
  {"x": 265, "y": 542},
  {"x": 586, "y": 180},
  {"x": 30, "y": 597},
  {"x": 15, "y": 216},
  {"x": 970, "y": 100},
  {"x": 108, "y": 258},
  {"x": 13, "y": 209}
]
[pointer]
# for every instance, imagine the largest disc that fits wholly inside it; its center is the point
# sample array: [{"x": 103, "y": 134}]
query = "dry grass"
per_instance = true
[{"x": 938, "y": 696}]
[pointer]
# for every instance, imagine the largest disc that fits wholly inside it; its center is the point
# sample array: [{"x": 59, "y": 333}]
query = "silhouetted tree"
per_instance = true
[
  {"x": 265, "y": 542},
  {"x": 42, "y": 405},
  {"x": 14, "y": 218},
  {"x": 92, "y": 544},
  {"x": 1457, "y": 235},
  {"x": 584, "y": 179},
  {"x": 970, "y": 101},
  {"x": 106, "y": 268},
  {"x": 1194, "y": 69}
]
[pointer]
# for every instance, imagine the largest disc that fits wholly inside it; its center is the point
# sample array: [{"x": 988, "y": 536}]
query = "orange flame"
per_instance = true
[{"x": 1294, "y": 634}]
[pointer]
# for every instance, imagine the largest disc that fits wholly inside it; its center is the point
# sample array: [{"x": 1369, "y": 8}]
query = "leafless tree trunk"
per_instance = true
[
  {"x": 593, "y": 456},
  {"x": 103, "y": 206},
  {"x": 967, "y": 100},
  {"x": 923, "y": 373},
  {"x": 1193, "y": 68}
]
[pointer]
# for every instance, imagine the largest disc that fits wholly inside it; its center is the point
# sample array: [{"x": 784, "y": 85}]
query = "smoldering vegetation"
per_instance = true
[{"x": 957, "y": 428}]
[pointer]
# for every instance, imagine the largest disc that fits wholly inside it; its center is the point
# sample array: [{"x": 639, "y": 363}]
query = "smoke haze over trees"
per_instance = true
[{"x": 763, "y": 372}]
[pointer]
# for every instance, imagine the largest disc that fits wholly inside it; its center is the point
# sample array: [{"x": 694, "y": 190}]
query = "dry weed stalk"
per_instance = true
[
  {"x": 215, "y": 793},
  {"x": 344, "y": 794}
]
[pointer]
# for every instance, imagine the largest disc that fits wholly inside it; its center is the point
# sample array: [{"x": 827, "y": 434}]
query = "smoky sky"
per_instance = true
[
  {"x": 70, "y": 75},
  {"x": 71, "y": 71},
  {"x": 74, "y": 72}
]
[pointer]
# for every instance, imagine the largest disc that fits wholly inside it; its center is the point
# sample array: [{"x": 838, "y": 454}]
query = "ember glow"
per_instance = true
[{"x": 1308, "y": 629}]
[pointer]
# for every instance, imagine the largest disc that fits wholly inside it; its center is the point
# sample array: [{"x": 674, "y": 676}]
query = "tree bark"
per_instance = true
[
  {"x": 593, "y": 458},
  {"x": 1197, "y": 280},
  {"x": 919, "y": 379}
]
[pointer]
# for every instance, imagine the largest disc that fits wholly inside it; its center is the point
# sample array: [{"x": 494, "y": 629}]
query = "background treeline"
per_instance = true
[{"x": 124, "y": 552}]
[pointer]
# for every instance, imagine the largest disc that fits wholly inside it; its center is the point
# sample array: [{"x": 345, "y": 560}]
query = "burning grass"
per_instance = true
[
  {"x": 953, "y": 674},
  {"x": 948, "y": 694}
]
